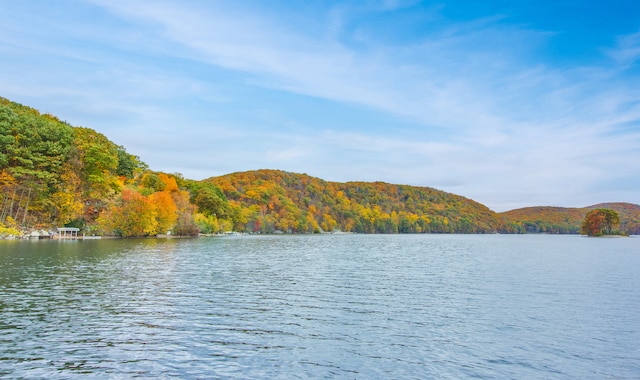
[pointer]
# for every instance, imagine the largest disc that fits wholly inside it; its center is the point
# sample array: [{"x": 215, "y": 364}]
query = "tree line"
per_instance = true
[{"x": 561, "y": 220}]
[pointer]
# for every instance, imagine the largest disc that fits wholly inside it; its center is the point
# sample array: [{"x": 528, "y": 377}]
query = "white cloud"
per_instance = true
[{"x": 488, "y": 118}]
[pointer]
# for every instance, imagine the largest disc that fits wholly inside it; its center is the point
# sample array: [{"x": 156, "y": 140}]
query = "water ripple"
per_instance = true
[{"x": 347, "y": 306}]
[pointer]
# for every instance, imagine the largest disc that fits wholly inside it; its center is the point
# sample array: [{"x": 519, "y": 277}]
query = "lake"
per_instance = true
[{"x": 323, "y": 306}]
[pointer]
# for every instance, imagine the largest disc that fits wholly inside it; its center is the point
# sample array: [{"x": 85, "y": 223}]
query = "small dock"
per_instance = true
[{"x": 68, "y": 233}]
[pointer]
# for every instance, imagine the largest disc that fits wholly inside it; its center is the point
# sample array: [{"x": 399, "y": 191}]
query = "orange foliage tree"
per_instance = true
[{"x": 132, "y": 214}]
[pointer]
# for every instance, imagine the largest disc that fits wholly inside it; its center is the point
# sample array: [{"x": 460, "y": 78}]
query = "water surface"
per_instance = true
[{"x": 330, "y": 306}]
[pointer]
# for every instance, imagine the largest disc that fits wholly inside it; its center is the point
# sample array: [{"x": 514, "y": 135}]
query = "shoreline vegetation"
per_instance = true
[
  {"x": 55, "y": 175},
  {"x": 247, "y": 234}
]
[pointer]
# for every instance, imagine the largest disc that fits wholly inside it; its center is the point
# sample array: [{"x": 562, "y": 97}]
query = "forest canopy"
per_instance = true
[{"x": 276, "y": 201}]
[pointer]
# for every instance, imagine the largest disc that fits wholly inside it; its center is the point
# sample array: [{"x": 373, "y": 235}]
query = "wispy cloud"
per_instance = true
[
  {"x": 470, "y": 106},
  {"x": 627, "y": 50}
]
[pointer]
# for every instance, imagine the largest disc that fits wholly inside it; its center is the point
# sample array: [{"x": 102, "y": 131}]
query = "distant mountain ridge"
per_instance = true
[{"x": 567, "y": 220}]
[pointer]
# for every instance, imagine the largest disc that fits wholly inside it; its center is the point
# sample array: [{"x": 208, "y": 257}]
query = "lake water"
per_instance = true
[{"x": 328, "y": 306}]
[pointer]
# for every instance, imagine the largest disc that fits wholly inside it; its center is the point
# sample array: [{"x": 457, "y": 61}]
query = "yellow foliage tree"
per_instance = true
[
  {"x": 67, "y": 200},
  {"x": 9, "y": 227},
  {"x": 68, "y": 206},
  {"x": 165, "y": 209},
  {"x": 170, "y": 184}
]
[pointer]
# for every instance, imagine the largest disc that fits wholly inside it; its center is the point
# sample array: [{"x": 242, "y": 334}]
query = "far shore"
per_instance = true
[{"x": 610, "y": 236}]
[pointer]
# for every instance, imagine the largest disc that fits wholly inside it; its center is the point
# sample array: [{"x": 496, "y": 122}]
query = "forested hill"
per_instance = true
[
  {"x": 53, "y": 174},
  {"x": 568, "y": 220},
  {"x": 272, "y": 200}
]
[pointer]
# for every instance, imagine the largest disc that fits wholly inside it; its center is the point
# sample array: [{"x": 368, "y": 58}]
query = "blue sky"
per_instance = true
[{"x": 510, "y": 103}]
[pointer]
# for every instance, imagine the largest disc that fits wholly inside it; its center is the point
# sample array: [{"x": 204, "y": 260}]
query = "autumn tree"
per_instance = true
[
  {"x": 601, "y": 221},
  {"x": 132, "y": 214},
  {"x": 185, "y": 224},
  {"x": 67, "y": 200},
  {"x": 166, "y": 211}
]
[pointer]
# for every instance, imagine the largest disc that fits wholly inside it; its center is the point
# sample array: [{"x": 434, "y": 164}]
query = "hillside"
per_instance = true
[
  {"x": 53, "y": 174},
  {"x": 568, "y": 220},
  {"x": 272, "y": 200}
]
